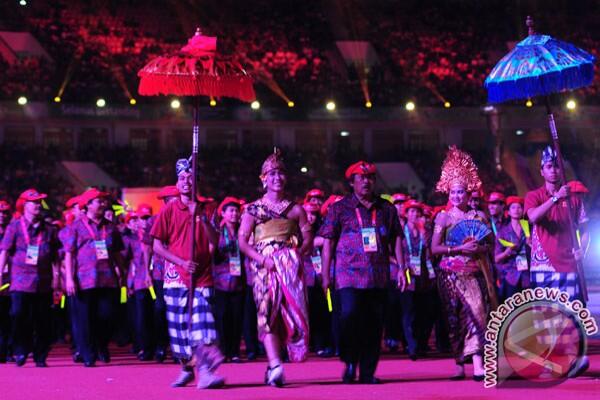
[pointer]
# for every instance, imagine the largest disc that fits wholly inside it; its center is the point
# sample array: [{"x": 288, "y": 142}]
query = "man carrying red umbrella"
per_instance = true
[{"x": 172, "y": 241}]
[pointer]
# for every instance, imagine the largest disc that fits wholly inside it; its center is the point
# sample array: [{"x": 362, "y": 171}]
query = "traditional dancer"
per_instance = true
[
  {"x": 32, "y": 244},
  {"x": 194, "y": 345},
  {"x": 553, "y": 255},
  {"x": 461, "y": 282},
  {"x": 278, "y": 226},
  {"x": 512, "y": 252},
  {"x": 360, "y": 230}
]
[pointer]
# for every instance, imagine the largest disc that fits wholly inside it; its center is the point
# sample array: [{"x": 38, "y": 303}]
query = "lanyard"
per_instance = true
[
  {"x": 360, "y": 221},
  {"x": 494, "y": 226},
  {"x": 409, "y": 241},
  {"x": 26, "y": 234},
  {"x": 226, "y": 234},
  {"x": 91, "y": 232}
]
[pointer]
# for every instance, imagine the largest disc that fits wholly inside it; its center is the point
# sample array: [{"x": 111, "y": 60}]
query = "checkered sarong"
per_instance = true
[
  {"x": 203, "y": 330},
  {"x": 566, "y": 282}
]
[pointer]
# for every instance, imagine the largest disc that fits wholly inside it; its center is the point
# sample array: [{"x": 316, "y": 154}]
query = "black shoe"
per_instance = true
[
  {"x": 160, "y": 356},
  {"x": 459, "y": 377},
  {"x": 369, "y": 380},
  {"x": 236, "y": 360},
  {"x": 104, "y": 356},
  {"x": 41, "y": 364},
  {"x": 89, "y": 364},
  {"x": 326, "y": 353},
  {"x": 2, "y": 359},
  {"x": 251, "y": 356},
  {"x": 20, "y": 360},
  {"x": 77, "y": 357},
  {"x": 144, "y": 356},
  {"x": 478, "y": 378},
  {"x": 349, "y": 373},
  {"x": 413, "y": 356}
]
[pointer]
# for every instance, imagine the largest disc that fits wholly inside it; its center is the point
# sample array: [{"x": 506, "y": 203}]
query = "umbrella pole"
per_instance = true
[
  {"x": 195, "y": 139},
  {"x": 563, "y": 176}
]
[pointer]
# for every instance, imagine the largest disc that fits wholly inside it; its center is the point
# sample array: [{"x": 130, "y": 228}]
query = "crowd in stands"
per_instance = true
[{"x": 426, "y": 50}]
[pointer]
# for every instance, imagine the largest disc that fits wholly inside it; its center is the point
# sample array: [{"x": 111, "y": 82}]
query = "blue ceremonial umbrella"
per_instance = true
[{"x": 538, "y": 66}]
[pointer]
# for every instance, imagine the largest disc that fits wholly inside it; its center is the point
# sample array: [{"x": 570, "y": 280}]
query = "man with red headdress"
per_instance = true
[
  {"x": 32, "y": 244},
  {"x": 361, "y": 230}
]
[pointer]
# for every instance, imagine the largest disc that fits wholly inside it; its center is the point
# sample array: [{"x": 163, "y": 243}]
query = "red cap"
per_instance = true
[
  {"x": 311, "y": 207},
  {"x": 90, "y": 195},
  {"x": 514, "y": 199},
  {"x": 4, "y": 206},
  {"x": 399, "y": 197},
  {"x": 227, "y": 201},
  {"x": 577, "y": 187},
  {"x": 144, "y": 210},
  {"x": 314, "y": 193},
  {"x": 427, "y": 210},
  {"x": 168, "y": 191},
  {"x": 360, "y": 168},
  {"x": 68, "y": 217},
  {"x": 72, "y": 201},
  {"x": 496, "y": 197},
  {"x": 330, "y": 200},
  {"x": 411, "y": 204},
  {"x": 32, "y": 195}
]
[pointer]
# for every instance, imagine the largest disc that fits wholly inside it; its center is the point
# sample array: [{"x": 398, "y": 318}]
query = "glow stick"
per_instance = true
[
  {"x": 506, "y": 243},
  {"x": 123, "y": 294},
  {"x": 5, "y": 286},
  {"x": 62, "y": 301},
  {"x": 329, "y": 305},
  {"x": 407, "y": 276},
  {"x": 152, "y": 292},
  {"x": 525, "y": 225}
]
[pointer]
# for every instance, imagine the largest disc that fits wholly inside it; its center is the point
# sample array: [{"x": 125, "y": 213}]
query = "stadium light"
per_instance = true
[
  {"x": 368, "y": 104},
  {"x": 571, "y": 104},
  {"x": 291, "y": 104},
  {"x": 344, "y": 133},
  {"x": 132, "y": 101},
  {"x": 304, "y": 170},
  {"x": 529, "y": 103},
  {"x": 330, "y": 106},
  {"x": 519, "y": 132},
  {"x": 23, "y": 2},
  {"x": 57, "y": 99},
  {"x": 255, "y": 105},
  {"x": 100, "y": 103},
  {"x": 410, "y": 106},
  {"x": 22, "y": 100},
  {"x": 212, "y": 103},
  {"x": 175, "y": 104},
  {"x": 447, "y": 104}
]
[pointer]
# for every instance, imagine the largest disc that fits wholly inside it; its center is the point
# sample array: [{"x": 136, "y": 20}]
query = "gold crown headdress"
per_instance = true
[
  {"x": 458, "y": 168},
  {"x": 273, "y": 161}
]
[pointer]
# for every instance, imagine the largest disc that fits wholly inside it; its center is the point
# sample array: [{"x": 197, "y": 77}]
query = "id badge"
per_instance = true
[
  {"x": 522, "y": 263},
  {"x": 317, "y": 264},
  {"x": 415, "y": 265},
  {"x": 101, "y": 250},
  {"x": 369, "y": 240},
  {"x": 430, "y": 270},
  {"x": 31, "y": 257},
  {"x": 235, "y": 266}
]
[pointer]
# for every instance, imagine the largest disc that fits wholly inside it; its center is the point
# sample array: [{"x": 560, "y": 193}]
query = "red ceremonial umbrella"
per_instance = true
[{"x": 196, "y": 70}]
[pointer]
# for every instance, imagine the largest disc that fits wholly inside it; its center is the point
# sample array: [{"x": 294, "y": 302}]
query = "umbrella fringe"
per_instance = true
[{"x": 239, "y": 87}]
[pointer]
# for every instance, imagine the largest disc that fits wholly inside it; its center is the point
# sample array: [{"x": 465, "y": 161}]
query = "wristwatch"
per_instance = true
[{"x": 554, "y": 199}]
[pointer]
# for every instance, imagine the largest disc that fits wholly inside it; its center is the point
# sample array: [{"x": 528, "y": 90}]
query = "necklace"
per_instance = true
[{"x": 278, "y": 207}]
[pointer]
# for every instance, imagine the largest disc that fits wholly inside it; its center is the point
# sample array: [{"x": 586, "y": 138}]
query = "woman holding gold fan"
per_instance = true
[{"x": 464, "y": 278}]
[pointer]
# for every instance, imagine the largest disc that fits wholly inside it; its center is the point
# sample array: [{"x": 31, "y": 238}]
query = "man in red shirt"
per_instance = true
[
  {"x": 553, "y": 255},
  {"x": 183, "y": 271}
]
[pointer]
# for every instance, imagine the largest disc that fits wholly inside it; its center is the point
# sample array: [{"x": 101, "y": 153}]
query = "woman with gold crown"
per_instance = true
[
  {"x": 462, "y": 279},
  {"x": 282, "y": 237}
]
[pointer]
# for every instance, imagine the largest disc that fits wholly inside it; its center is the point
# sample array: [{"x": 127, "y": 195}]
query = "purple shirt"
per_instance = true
[
  {"x": 228, "y": 247},
  {"x": 91, "y": 272},
  {"x": 5, "y": 276},
  {"x": 133, "y": 255},
  {"x": 507, "y": 269},
  {"x": 353, "y": 266},
  {"x": 31, "y": 278},
  {"x": 157, "y": 263}
]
